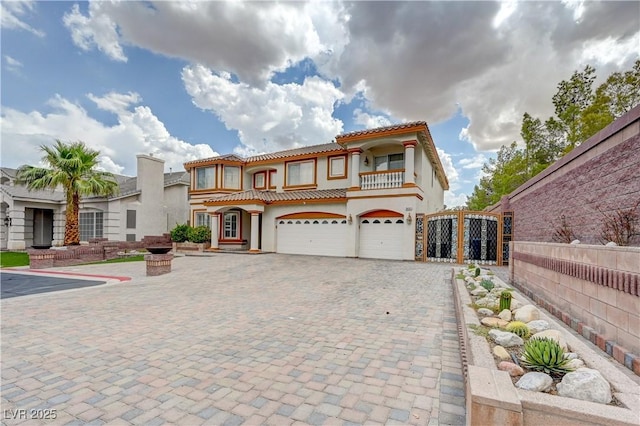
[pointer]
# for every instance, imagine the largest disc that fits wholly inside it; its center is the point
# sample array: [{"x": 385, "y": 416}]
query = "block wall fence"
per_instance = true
[
  {"x": 601, "y": 175},
  {"x": 592, "y": 288}
]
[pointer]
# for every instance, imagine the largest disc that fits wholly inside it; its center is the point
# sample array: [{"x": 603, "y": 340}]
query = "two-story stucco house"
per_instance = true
[
  {"x": 357, "y": 197},
  {"x": 151, "y": 203}
]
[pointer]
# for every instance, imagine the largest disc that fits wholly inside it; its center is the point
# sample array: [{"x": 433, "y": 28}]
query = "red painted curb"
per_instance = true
[{"x": 77, "y": 274}]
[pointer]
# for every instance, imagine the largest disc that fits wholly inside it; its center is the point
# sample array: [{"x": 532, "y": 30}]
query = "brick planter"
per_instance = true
[
  {"x": 158, "y": 264},
  {"x": 41, "y": 258}
]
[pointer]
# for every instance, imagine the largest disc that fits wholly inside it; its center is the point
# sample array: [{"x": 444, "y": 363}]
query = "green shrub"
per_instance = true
[
  {"x": 180, "y": 233},
  {"x": 199, "y": 234},
  {"x": 546, "y": 355},
  {"x": 477, "y": 272},
  {"x": 519, "y": 328},
  {"x": 487, "y": 284}
]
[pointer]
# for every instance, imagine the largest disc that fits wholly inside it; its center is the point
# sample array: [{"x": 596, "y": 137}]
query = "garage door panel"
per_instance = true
[
  {"x": 381, "y": 238},
  {"x": 322, "y": 238}
]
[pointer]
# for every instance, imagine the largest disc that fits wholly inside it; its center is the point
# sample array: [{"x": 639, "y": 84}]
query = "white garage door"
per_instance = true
[
  {"x": 381, "y": 237},
  {"x": 321, "y": 237}
]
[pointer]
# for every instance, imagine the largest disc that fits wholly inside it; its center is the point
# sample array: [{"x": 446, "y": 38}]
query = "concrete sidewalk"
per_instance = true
[{"x": 228, "y": 339}]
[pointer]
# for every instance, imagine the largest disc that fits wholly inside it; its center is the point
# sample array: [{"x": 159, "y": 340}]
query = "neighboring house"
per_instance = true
[
  {"x": 150, "y": 204},
  {"x": 357, "y": 197}
]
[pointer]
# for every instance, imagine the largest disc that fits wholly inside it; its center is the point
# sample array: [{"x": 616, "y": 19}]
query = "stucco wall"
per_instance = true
[{"x": 600, "y": 175}]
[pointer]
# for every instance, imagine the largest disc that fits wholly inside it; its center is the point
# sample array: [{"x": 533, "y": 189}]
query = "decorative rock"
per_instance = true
[
  {"x": 553, "y": 334},
  {"x": 574, "y": 364},
  {"x": 585, "y": 384},
  {"x": 575, "y": 242},
  {"x": 487, "y": 302},
  {"x": 470, "y": 280},
  {"x": 515, "y": 304},
  {"x": 571, "y": 355},
  {"x": 505, "y": 338},
  {"x": 511, "y": 368},
  {"x": 501, "y": 353},
  {"x": 527, "y": 313},
  {"x": 505, "y": 315},
  {"x": 535, "y": 381},
  {"x": 480, "y": 291},
  {"x": 485, "y": 312},
  {"x": 537, "y": 326},
  {"x": 611, "y": 244},
  {"x": 493, "y": 322}
]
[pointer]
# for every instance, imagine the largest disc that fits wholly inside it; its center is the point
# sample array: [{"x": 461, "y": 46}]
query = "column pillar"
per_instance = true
[
  {"x": 409, "y": 163},
  {"x": 355, "y": 168},
  {"x": 215, "y": 226},
  {"x": 255, "y": 232}
]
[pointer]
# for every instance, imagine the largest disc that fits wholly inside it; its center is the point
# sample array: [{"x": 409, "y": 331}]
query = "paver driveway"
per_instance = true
[{"x": 231, "y": 339}]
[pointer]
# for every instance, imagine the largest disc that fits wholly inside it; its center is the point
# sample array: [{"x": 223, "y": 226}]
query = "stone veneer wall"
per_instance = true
[
  {"x": 593, "y": 289},
  {"x": 599, "y": 175}
]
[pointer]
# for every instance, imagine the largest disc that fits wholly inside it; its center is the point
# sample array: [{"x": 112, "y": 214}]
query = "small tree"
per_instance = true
[
  {"x": 621, "y": 225},
  {"x": 563, "y": 232}
]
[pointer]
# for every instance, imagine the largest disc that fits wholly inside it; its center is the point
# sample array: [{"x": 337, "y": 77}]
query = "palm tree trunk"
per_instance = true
[{"x": 71, "y": 227}]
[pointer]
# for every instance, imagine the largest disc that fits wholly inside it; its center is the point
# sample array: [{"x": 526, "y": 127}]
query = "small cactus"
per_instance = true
[
  {"x": 505, "y": 300},
  {"x": 519, "y": 328},
  {"x": 477, "y": 272},
  {"x": 545, "y": 355}
]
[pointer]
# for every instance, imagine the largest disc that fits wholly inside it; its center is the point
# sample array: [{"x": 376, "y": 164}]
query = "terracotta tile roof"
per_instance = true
[
  {"x": 227, "y": 157},
  {"x": 312, "y": 149},
  {"x": 382, "y": 129},
  {"x": 269, "y": 197}
]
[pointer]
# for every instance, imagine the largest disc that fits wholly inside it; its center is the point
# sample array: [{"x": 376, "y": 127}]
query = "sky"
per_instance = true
[{"x": 189, "y": 80}]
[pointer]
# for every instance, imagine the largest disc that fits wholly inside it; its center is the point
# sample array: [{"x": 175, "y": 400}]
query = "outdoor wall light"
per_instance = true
[
  {"x": 409, "y": 218},
  {"x": 7, "y": 221},
  {"x": 366, "y": 161},
  {"x": 350, "y": 219}
]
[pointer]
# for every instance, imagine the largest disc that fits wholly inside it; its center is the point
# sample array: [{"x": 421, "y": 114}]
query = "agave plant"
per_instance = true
[
  {"x": 519, "y": 328},
  {"x": 545, "y": 354},
  {"x": 487, "y": 284}
]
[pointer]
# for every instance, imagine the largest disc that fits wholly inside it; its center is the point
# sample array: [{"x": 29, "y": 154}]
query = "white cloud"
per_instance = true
[
  {"x": 12, "y": 64},
  {"x": 137, "y": 131},
  {"x": 369, "y": 121},
  {"x": 97, "y": 30},
  {"x": 274, "y": 118},
  {"x": 249, "y": 39},
  {"x": 474, "y": 162},
  {"x": 11, "y": 13},
  {"x": 452, "y": 198}
]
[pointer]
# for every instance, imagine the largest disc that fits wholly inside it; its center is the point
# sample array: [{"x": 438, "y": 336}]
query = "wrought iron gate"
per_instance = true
[{"x": 463, "y": 237}]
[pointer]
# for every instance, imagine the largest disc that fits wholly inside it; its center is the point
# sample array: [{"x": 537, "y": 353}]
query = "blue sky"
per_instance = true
[{"x": 189, "y": 80}]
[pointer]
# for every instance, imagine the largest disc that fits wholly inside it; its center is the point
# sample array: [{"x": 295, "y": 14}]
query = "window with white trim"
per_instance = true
[
  {"x": 205, "y": 177},
  {"x": 230, "y": 225},
  {"x": 231, "y": 177},
  {"x": 203, "y": 219},
  {"x": 337, "y": 167},
  {"x": 301, "y": 173},
  {"x": 389, "y": 162},
  {"x": 91, "y": 225}
]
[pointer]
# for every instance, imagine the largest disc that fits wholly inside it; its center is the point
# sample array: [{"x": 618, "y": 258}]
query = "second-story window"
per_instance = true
[
  {"x": 260, "y": 180},
  {"x": 337, "y": 167},
  {"x": 205, "y": 177},
  {"x": 231, "y": 177},
  {"x": 389, "y": 162},
  {"x": 301, "y": 173}
]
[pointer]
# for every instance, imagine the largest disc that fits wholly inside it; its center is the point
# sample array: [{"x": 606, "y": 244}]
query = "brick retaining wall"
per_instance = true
[{"x": 593, "y": 289}]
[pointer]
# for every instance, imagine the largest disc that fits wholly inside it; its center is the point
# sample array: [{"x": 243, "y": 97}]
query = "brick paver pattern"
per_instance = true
[{"x": 238, "y": 339}]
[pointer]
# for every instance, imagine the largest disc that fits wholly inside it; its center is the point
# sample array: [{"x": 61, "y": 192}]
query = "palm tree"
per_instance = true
[{"x": 72, "y": 167}]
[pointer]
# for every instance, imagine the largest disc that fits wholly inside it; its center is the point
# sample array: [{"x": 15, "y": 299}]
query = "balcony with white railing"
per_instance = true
[{"x": 382, "y": 180}]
